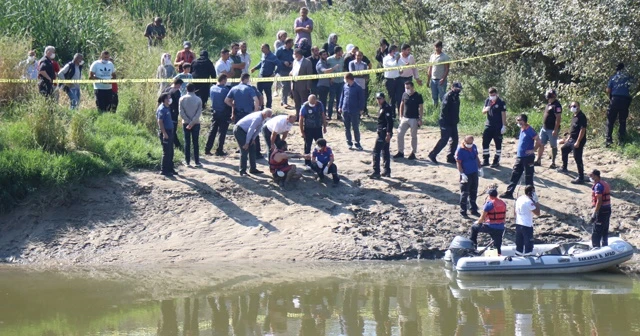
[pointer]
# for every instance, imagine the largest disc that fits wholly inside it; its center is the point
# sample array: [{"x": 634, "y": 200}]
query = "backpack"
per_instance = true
[{"x": 72, "y": 70}]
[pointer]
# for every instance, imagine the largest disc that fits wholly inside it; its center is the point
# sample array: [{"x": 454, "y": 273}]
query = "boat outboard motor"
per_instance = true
[{"x": 461, "y": 247}]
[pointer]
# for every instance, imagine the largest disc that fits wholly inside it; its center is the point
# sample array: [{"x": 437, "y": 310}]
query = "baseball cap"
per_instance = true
[
  {"x": 186, "y": 44},
  {"x": 457, "y": 85},
  {"x": 379, "y": 95}
]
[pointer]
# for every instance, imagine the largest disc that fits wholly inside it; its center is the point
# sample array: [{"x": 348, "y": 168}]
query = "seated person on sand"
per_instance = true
[
  {"x": 282, "y": 171},
  {"x": 322, "y": 162}
]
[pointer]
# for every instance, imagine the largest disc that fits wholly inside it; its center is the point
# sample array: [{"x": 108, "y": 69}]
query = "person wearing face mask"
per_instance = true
[
  {"x": 166, "y": 134},
  {"x": 550, "y": 127},
  {"x": 29, "y": 66},
  {"x": 174, "y": 107},
  {"x": 494, "y": 128},
  {"x": 313, "y": 123},
  {"x": 103, "y": 69},
  {"x": 391, "y": 76},
  {"x": 469, "y": 168},
  {"x": 411, "y": 112},
  {"x": 525, "y": 156},
  {"x": 575, "y": 141},
  {"x": 449, "y": 119},
  {"x": 46, "y": 72},
  {"x": 351, "y": 106},
  {"x": 405, "y": 57},
  {"x": 386, "y": 115},
  {"x": 72, "y": 71},
  {"x": 322, "y": 162},
  {"x": 601, "y": 203},
  {"x": 300, "y": 88},
  {"x": 165, "y": 70},
  {"x": 526, "y": 206}
]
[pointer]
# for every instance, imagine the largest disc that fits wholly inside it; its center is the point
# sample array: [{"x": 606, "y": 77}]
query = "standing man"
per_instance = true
[
  {"x": 300, "y": 88},
  {"x": 242, "y": 98},
  {"x": 103, "y": 69},
  {"x": 155, "y": 32},
  {"x": 352, "y": 105},
  {"x": 165, "y": 133},
  {"x": 525, "y": 155},
  {"x": 314, "y": 58},
  {"x": 526, "y": 206},
  {"x": 324, "y": 84},
  {"x": 72, "y": 71},
  {"x": 492, "y": 220},
  {"x": 468, "y": 164},
  {"x": 495, "y": 126},
  {"x": 175, "y": 93},
  {"x": 618, "y": 90},
  {"x": 277, "y": 129},
  {"x": 337, "y": 83},
  {"x": 246, "y": 131},
  {"x": 267, "y": 67},
  {"x": 449, "y": 118},
  {"x": 386, "y": 115},
  {"x": 223, "y": 65},
  {"x": 411, "y": 113},
  {"x": 184, "y": 56},
  {"x": 313, "y": 124},
  {"x": 237, "y": 65},
  {"x": 185, "y": 74},
  {"x": 203, "y": 68},
  {"x": 285, "y": 56},
  {"x": 391, "y": 76},
  {"x": 406, "y": 58},
  {"x": 46, "y": 73},
  {"x": 358, "y": 65},
  {"x": 221, "y": 116},
  {"x": 550, "y": 127},
  {"x": 438, "y": 74},
  {"x": 245, "y": 57},
  {"x": 601, "y": 203},
  {"x": 303, "y": 26},
  {"x": 190, "y": 107},
  {"x": 575, "y": 142}
]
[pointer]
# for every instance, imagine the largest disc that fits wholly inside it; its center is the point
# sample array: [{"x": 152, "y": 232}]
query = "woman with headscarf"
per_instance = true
[
  {"x": 281, "y": 36},
  {"x": 165, "y": 71},
  {"x": 331, "y": 44}
]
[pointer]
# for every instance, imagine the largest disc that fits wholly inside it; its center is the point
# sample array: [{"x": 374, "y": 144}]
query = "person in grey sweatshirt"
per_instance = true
[{"x": 190, "y": 107}]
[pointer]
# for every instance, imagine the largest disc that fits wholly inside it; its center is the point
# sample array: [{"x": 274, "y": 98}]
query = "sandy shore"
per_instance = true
[{"x": 212, "y": 214}]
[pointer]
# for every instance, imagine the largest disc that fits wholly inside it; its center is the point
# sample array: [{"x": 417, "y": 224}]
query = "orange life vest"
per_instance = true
[
  {"x": 498, "y": 214},
  {"x": 606, "y": 194}
]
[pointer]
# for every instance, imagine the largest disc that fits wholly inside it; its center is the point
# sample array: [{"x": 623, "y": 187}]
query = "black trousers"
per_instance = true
[
  {"x": 176, "y": 141},
  {"x": 103, "y": 99},
  {"x": 567, "y": 148},
  {"x": 524, "y": 239},
  {"x": 333, "y": 170},
  {"x": 191, "y": 136},
  {"x": 202, "y": 91},
  {"x": 390, "y": 85},
  {"x": 219, "y": 128},
  {"x": 496, "y": 235},
  {"x": 265, "y": 88},
  {"x": 113, "y": 107},
  {"x": 448, "y": 135},
  {"x": 323, "y": 95},
  {"x": 469, "y": 193},
  {"x": 523, "y": 164},
  {"x": 266, "y": 133},
  {"x": 488, "y": 135},
  {"x": 600, "y": 231},
  {"x": 381, "y": 148},
  {"x": 167, "y": 152},
  {"x": 310, "y": 135},
  {"x": 618, "y": 109}
]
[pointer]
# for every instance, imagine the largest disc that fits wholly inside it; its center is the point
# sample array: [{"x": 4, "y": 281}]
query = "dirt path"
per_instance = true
[{"x": 212, "y": 214}]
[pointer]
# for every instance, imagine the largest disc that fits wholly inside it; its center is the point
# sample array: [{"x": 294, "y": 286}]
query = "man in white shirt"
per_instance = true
[
  {"x": 391, "y": 77},
  {"x": 245, "y": 57},
  {"x": 406, "y": 75},
  {"x": 526, "y": 206},
  {"x": 438, "y": 74},
  {"x": 223, "y": 65},
  {"x": 103, "y": 69},
  {"x": 276, "y": 129}
]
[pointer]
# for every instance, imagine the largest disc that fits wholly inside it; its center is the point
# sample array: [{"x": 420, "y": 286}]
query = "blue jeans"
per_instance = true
[
  {"x": 193, "y": 133},
  {"x": 335, "y": 92},
  {"x": 351, "y": 120},
  {"x": 438, "y": 91},
  {"x": 74, "y": 97}
]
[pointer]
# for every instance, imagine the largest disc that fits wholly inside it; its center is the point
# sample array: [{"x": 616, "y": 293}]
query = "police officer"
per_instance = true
[
  {"x": 620, "y": 99},
  {"x": 601, "y": 203},
  {"x": 550, "y": 127},
  {"x": 525, "y": 156},
  {"x": 386, "y": 114},
  {"x": 449, "y": 118},
  {"x": 495, "y": 126},
  {"x": 221, "y": 116},
  {"x": 491, "y": 221}
]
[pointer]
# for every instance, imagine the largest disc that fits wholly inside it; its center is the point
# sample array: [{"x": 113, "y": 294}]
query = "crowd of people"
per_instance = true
[{"x": 249, "y": 109}]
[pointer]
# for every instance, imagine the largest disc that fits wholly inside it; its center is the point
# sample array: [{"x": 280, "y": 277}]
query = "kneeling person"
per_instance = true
[
  {"x": 491, "y": 221},
  {"x": 322, "y": 162},
  {"x": 279, "y": 165}
]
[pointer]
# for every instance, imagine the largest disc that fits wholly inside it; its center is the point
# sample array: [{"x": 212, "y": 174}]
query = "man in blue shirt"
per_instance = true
[
  {"x": 525, "y": 156},
  {"x": 313, "y": 123},
  {"x": 243, "y": 99},
  {"x": 620, "y": 100},
  {"x": 469, "y": 168},
  {"x": 166, "y": 134},
  {"x": 285, "y": 56},
  {"x": 267, "y": 66},
  {"x": 352, "y": 104},
  {"x": 221, "y": 116}
]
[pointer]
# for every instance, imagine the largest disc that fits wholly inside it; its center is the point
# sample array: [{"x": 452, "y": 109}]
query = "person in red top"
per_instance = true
[
  {"x": 601, "y": 203},
  {"x": 491, "y": 221},
  {"x": 184, "y": 56},
  {"x": 279, "y": 166}
]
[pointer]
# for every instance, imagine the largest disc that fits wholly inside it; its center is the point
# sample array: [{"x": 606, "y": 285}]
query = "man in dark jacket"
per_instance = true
[
  {"x": 449, "y": 118},
  {"x": 386, "y": 115},
  {"x": 174, "y": 93},
  {"x": 203, "y": 68}
]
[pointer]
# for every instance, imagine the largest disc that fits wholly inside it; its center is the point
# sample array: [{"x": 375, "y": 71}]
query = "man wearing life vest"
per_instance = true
[
  {"x": 492, "y": 220},
  {"x": 601, "y": 203},
  {"x": 279, "y": 165}
]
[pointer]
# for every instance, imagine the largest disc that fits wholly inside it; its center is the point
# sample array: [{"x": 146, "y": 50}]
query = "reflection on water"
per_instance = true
[{"x": 401, "y": 299}]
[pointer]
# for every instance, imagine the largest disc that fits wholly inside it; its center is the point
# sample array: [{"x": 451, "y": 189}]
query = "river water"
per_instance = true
[{"x": 413, "y": 298}]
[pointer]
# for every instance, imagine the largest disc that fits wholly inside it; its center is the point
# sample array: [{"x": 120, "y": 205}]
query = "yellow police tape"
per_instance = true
[{"x": 261, "y": 79}]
